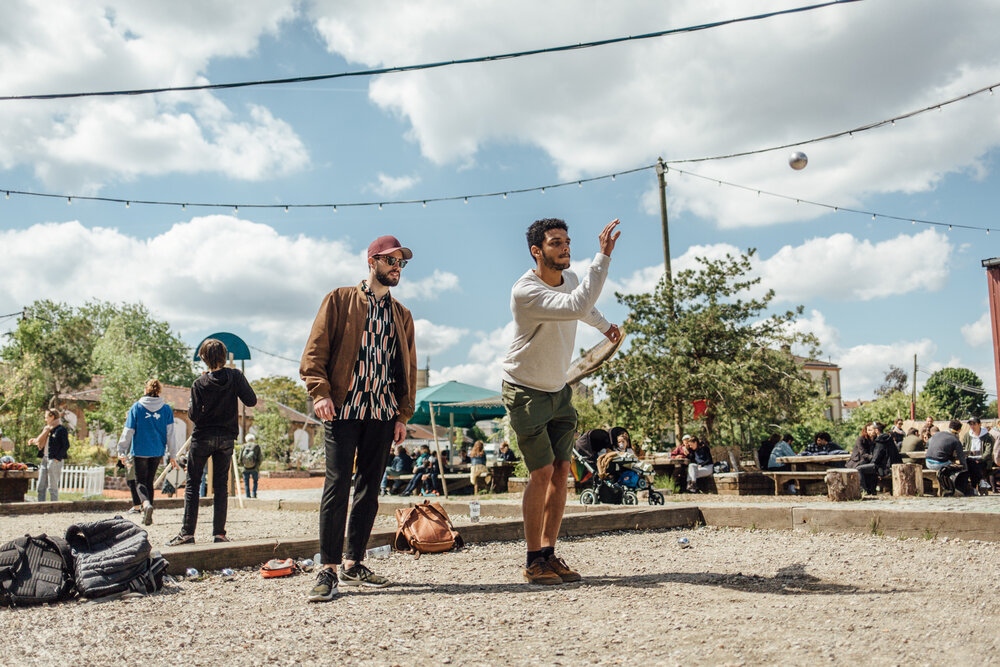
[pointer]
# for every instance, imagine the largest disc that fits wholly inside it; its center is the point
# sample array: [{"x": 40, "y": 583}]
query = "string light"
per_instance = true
[
  {"x": 69, "y": 200},
  {"x": 432, "y": 65},
  {"x": 184, "y": 207},
  {"x": 236, "y": 209},
  {"x": 543, "y": 191},
  {"x": 126, "y": 204},
  {"x": 466, "y": 200},
  {"x": 286, "y": 209},
  {"x": 8, "y": 195},
  {"x": 580, "y": 183},
  {"x": 613, "y": 176},
  {"x": 505, "y": 195},
  {"x": 380, "y": 207}
]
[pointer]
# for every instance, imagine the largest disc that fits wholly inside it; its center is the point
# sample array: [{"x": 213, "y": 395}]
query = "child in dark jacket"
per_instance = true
[{"x": 214, "y": 411}]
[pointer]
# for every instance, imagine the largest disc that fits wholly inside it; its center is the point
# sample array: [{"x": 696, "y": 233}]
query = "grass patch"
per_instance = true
[
  {"x": 929, "y": 534},
  {"x": 667, "y": 483},
  {"x": 874, "y": 528}
]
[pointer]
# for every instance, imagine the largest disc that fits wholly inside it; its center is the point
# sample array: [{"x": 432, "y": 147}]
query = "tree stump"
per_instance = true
[
  {"x": 843, "y": 484},
  {"x": 907, "y": 480}
]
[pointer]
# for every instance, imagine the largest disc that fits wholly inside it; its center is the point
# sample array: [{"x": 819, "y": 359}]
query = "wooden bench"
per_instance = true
[
  {"x": 782, "y": 476},
  {"x": 455, "y": 480}
]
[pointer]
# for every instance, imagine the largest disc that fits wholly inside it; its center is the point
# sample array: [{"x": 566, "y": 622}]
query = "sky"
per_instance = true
[{"x": 874, "y": 291}]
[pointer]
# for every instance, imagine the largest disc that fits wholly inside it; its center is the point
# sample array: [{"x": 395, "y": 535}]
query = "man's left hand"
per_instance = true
[
  {"x": 399, "y": 433},
  {"x": 613, "y": 334}
]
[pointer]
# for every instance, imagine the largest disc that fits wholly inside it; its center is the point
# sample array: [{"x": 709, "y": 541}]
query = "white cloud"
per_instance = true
[
  {"x": 738, "y": 87},
  {"x": 979, "y": 332},
  {"x": 435, "y": 338},
  {"x": 205, "y": 273},
  {"x": 83, "y": 144},
  {"x": 426, "y": 288},
  {"x": 390, "y": 186}
]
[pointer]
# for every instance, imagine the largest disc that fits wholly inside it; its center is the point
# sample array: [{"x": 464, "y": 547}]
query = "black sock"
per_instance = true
[
  {"x": 548, "y": 552},
  {"x": 533, "y": 556}
]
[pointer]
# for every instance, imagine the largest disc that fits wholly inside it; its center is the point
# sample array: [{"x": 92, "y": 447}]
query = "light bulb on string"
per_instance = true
[
  {"x": 184, "y": 207},
  {"x": 873, "y": 216},
  {"x": 236, "y": 210},
  {"x": 543, "y": 191},
  {"x": 949, "y": 228},
  {"x": 466, "y": 200},
  {"x": 69, "y": 200},
  {"x": 425, "y": 204},
  {"x": 126, "y": 204},
  {"x": 8, "y": 195},
  {"x": 380, "y": 207},
  {"x": 334, "y": 208},
  {"x": 612, "y": 177},
  {"x": 286, "y": 209},
  {"x": 505, "y": 195},
  {"x": 580, "y": 183}
]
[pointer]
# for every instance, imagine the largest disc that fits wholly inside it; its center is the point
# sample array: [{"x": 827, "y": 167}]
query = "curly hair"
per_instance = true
[{"x": 536, "y": 232}]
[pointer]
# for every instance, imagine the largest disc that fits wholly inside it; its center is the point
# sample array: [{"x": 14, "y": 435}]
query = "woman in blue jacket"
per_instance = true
[{"x": 147, "y": 437}]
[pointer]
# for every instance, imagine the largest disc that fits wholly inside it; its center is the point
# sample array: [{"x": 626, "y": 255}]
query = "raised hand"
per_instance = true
[{"x": 608, "y": 236}]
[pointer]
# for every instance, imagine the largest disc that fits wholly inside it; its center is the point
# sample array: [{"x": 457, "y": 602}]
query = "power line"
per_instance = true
[
  {"x": 272, "y": 354},
  {"x": 799, "y": 200},
  {"x": 424, "y": 66},
  {"x": 542, "y": 188}
]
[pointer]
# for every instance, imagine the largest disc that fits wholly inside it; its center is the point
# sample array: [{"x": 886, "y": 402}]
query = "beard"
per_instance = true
[
  {"x": 385, "y": 279},
  {"x": 553, "y": 263}
]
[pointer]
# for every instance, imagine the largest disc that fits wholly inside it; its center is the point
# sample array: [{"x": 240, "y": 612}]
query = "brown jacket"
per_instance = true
[{"x": 335, "y": 340}]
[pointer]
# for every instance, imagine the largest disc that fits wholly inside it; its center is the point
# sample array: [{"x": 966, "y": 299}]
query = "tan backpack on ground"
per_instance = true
[{"x": 425, "y": 529}]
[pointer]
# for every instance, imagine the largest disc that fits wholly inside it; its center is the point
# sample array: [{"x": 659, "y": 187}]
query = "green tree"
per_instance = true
[
  {"x": 167, "y": 357},
  {"x": 125, "y": 369},
  {"x": 955, "y": 393},
  {"x": 284, "y": 390},
  {"x": 271, "y": 428},
  {"x": 23, "y": 396},
  {"x": 590, "y": 414},
  {"x": 895, "y": 380},
  {"x": 889, "y": 408},
  {"x": 709, "y": 339}
]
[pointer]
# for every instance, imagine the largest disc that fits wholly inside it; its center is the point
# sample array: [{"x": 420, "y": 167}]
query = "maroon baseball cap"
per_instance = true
[{"x": 384, "y": 245}]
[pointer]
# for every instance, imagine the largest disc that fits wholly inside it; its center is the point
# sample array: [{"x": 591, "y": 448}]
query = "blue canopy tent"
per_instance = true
[{"x": 466, "y": 402}]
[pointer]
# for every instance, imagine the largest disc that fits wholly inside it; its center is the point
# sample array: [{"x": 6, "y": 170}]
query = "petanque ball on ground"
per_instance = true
[
  {"x": 798, "y": 160},
  {"x": 683, "y": 542}
]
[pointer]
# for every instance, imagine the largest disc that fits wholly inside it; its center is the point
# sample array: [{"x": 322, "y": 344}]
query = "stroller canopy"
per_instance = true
[{"x": 591, "y": 442}]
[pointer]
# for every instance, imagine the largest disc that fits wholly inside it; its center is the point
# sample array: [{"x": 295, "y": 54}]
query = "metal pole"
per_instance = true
[{"x": 913, "y": 394}]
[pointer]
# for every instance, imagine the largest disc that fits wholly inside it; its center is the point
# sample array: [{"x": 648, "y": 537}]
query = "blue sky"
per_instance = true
[{"x": 875, "y": 292}]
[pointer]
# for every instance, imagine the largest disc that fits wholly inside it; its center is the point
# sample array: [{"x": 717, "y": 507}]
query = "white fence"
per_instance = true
[{"x": 78, "y": 479}]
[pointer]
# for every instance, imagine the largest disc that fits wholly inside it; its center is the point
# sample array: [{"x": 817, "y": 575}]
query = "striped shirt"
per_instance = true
[{"x": 370, "y": 394}]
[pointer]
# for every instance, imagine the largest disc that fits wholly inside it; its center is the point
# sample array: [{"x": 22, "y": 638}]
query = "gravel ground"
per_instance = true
[
  {"x": 734, "y": 597},
  {"x": 241, "y": 524}
]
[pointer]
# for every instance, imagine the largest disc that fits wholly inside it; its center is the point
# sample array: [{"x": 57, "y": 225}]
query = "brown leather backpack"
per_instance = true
[{"x": 425, "y": 529}]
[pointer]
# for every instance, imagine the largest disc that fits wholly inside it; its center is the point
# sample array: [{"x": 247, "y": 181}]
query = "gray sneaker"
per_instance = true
[
  {"x": 359, "y": 575},
  {"x": 326, "y": 586},
  {"x": 147, "y": 514}
]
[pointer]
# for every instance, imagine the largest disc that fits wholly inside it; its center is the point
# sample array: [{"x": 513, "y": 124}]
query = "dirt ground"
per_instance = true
[{"x": 734, "y": 597}]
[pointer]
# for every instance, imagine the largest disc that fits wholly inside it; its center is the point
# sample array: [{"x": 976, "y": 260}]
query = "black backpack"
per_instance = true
[
  {"x": 35, "y": 570},
  {"x": 114, "y": 556}
]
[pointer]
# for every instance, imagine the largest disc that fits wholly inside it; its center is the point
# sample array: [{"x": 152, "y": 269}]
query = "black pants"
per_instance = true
[
  {"x": 136, "y": 501},
  {"x": 145, "y": 476},
  {"x": 371, "y": 440},
  {"x": 869, "y": 477},
  {"x": 220, "y": 450}
]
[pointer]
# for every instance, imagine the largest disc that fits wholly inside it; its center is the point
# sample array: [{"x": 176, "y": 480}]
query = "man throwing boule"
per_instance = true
[
  {"x": 360, "y": 367},
  {"x": 547, "y": 302}
]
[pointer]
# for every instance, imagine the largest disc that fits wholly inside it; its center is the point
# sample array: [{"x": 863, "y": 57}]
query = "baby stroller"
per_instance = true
[
  {"x": 631, "y": 472},
  {"x": 607, "y": 488}
]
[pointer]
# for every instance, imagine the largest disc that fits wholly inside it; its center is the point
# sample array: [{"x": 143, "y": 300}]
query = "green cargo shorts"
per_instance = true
[{"x": 543, "y": 421}]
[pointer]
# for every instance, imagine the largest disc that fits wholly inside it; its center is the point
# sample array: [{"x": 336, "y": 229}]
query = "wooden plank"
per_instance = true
[
  {"x": 901, "y": 523},
  {"x": 253, "y": 553},
  {"x": 27, "y": 508},
  {"x": 770, "y": 518}
]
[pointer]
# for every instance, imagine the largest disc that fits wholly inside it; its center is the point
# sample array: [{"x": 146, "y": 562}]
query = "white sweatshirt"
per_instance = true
[{"x": 545, "y": 320}]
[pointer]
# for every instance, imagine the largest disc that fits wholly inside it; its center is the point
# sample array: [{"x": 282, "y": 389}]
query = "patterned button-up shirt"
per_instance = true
[{"x": 370, "y": 394}]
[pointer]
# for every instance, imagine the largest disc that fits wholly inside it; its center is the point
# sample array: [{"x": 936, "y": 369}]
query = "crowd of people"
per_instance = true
[{"x": 419, "y": 473}]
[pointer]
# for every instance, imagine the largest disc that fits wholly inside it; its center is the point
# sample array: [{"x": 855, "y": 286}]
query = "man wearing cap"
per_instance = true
[
  {"x": 547, "y": 302},
  {"x": 360, "y": 368}
]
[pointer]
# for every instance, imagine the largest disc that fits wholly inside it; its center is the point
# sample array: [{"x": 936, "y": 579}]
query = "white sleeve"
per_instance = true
[
  {"x": 595, "y": 319},
  {"x": 541, "y": 303},
  {"x": 171, "y": 443},
  {"x": 125, "y": 442}
]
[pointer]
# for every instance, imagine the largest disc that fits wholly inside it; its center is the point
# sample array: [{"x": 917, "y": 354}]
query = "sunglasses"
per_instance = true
[{"x": 392, "y": 261}]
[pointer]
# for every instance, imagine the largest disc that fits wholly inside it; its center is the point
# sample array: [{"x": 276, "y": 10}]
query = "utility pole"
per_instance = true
[
  {"x": 661, "y": 170},
  {"x": 913, "y": 394},
  {"x": 661, "y": 180}
]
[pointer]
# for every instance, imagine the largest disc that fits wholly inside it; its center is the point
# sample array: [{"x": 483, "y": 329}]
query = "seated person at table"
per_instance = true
[
  {"x": 822, "y": 445},
  {"x": 912, "y": 442},
  {"x": 621, "y": 438},
  {"x": 699, "y": 463},
  {"x": 946, "y": 456},
  {"x": 401, "y": 464},
  {"x": 782, "y": 448},
  {"x": 682, "y": 450},
  {"x": 420, "y": 468},
  {"x": 764, "y": 453},
  {"x": 979, "y": 443},
  {"x": 863, "y": 453},
  {"x": 477, "y": 461},
  {"x": 506, "y": 454}
]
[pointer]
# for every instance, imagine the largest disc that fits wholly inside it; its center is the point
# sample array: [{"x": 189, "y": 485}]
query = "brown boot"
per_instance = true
[
  {"x": 539, "y": 572},
  {"x": 558, "y": 565}
]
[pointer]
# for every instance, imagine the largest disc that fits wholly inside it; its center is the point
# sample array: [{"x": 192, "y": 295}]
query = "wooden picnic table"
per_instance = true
[
  {"x": 814, "y": 462},
  {"x": 14, "y": 484}
]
